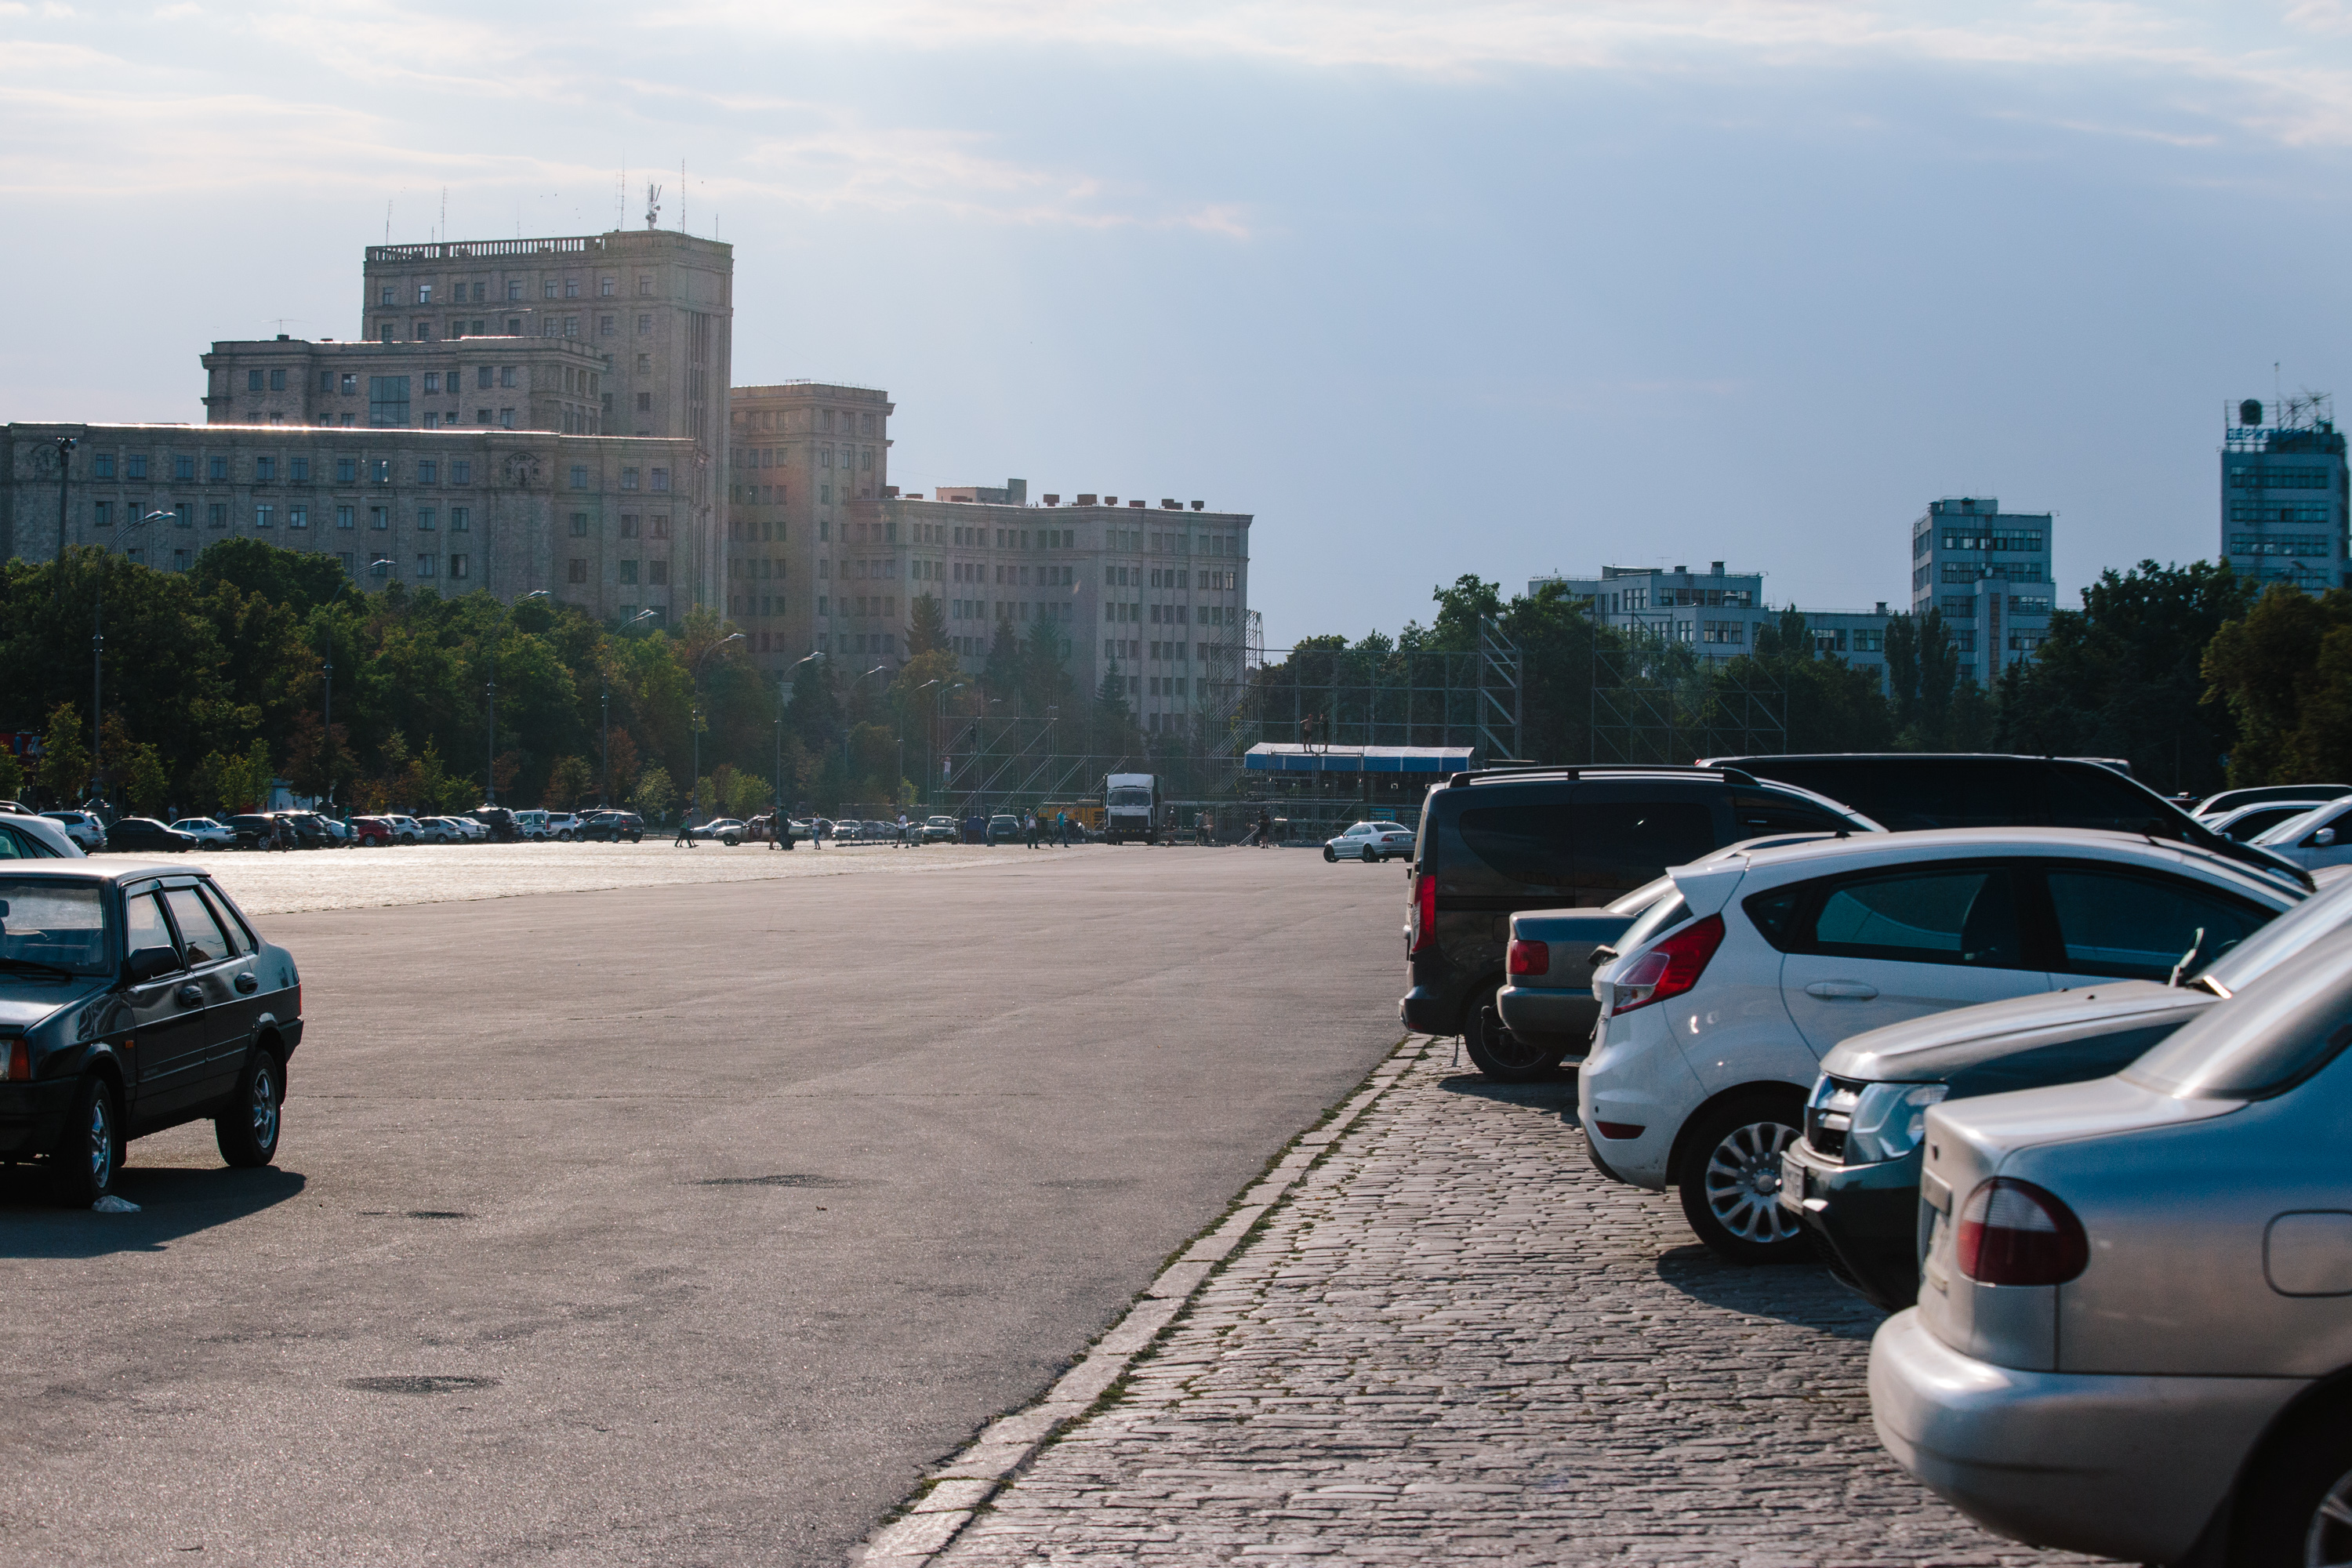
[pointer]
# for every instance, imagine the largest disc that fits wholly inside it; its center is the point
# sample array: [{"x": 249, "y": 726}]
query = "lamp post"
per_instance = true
[
  {"x": 845, "y": 724},
  {"x": 490, "y": 704},
  {"x": 695, "y": 808},
  {"x": 98, "y": 662},
  {"x": 783, "y": 683},
  {"x": 65, "y": 445},
  {"x": 604, "y": 703}
]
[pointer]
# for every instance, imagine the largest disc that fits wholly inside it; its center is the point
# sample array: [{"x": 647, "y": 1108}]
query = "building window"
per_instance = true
[
  {"x": 184, "y": 466},
  {"x": 645, "y": 401},
  {"x": 216, "y": 470},
  {"x": 661, "y": 528},
  {"x": 134, "y": 467},
  {"x": 657, "y": 574},
  {"x": 424, "y": 331},
  {"x": 644, "y": 326},
  {"x": 426, "y": 519},
  {"x": 261, "y": 517},
  {"x": 629, "y": 573},
  {"x": 579, "y": 525},
  {"x": 298, "y": 517},
  {"x": 660, "y": 480},
  {"x": 425, "y": 566},
  {"x": 461, "y": 471},
  {"x": 379, "y": 517},
  {"x": 579, "y": 477},
  {"x": 253, "y": 381},
  {"x": 346, "y": 516},
  {"x": 216, "y": 514},
  {"x": 628, "y": 525},
  {"x": 379, "y": 470},
  {"x": 347, "y": 471},
  {"x": 461, "y": 518},
  {"x": 299, "y": 470},
  {"x": 628, "y": 478},
  {"x": 604, "y": 326},
  {"x": 579, "y": 572},
  {"x": 456, "y": 566},
  {"x": 571, "y": 326},
  {"x": 506, "y": 375},
  {"x": 388, "y": 402},
  {"x": 276, "y": 380},
  {"x": 505, "y": 418},
  {"x": 101, "y": 515}
]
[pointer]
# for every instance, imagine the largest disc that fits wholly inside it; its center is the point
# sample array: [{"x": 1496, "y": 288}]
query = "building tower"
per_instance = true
[
  {"x": 657, "y": 305},
  {"x": 2283, "y": 494},
  {"x": 1988, "y": 572}
]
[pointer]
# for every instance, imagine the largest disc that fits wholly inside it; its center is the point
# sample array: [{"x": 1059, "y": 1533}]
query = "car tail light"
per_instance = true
[
  {"x": 20, "y": 1062},
  {"x": 1667, "y": 969},
  {"x": 1530, "y": 957},
  {"x": 1423, "y": 931},
  {"x": 2014, "y": 1233}
]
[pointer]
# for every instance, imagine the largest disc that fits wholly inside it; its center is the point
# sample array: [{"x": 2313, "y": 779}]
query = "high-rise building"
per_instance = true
[
  {"x": 658, "y": 306},
  {"x": 1988, "y": 571},
  {"x": 509, "y": 383},
  {"x": 799, "y": 452},
  {"x": 2283, "y": 496}
]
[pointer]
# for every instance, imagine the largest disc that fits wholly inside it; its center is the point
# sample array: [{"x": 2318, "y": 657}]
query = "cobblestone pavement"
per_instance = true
[
  {"x": 273, "y": 884},
  {"x": 1454, "y": 1341}
]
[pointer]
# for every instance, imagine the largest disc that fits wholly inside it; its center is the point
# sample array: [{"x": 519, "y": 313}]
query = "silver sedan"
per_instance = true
[
  {"x": 1371, "y": 842},
  {"x": 2135, "y": 1321}
]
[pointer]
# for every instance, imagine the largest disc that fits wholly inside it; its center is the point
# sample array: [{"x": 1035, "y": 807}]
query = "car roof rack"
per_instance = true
[{"x": 1582, "y": 770}]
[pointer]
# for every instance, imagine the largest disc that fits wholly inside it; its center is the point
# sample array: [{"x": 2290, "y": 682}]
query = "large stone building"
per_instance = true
[
  {"x": 591, "y": 520},
  {"x": 2283, "y": 496},
  {"x": 546, "y": 415},
  {"x": 1718, "y": 613}
]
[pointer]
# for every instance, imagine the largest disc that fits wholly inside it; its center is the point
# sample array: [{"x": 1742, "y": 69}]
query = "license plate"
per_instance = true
[{"x": 1792, "y": 1184}]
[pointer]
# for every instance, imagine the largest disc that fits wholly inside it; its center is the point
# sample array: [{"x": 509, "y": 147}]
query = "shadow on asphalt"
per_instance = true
[
  {"x": 1802, "y": 1293},
  {"x": 172, "y": 1204}
]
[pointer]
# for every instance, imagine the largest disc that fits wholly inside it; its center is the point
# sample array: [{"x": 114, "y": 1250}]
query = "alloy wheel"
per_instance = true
[
  {"x": 264, "y": 1107},
  {"x": 1743, "y": 1182},
  {"x": 2327, "y": 1539},
  {"x": 101, "y": 1142}
]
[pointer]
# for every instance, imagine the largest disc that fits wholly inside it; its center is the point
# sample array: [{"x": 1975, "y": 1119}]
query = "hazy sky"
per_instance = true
[{"x": 1498, "y": 286}]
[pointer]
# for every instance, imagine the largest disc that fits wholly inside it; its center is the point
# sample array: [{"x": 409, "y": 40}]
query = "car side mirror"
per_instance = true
[
  {"x": 151, "y": 963},
  {"x": 2325, "y": 836}
]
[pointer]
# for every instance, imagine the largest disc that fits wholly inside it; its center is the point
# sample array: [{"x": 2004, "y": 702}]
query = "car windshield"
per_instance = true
[
  {"x": 2227, "y": 973},
  {"x": 2268, "y": 1039},
  {"x": 54, "y": 924},
  {"x": 2286, "y": 833},
  {"x": 1131, "y": 797}
]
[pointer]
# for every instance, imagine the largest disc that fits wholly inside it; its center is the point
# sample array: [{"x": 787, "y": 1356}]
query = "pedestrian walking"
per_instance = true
[
  {"x": 902, "y": 830},
  {"x": 1029, "y": 827},
  {"x": 685, "y": 831},
  {"x": 1067, "y": 824},
  {"x": 1264, "y": 827}
]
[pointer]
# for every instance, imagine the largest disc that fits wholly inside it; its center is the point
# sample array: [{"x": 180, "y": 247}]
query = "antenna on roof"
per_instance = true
[
  {"x": 653, "y": 204},
  {"x": 444, "y": 212},
  {"x": 387, "y": 220}
]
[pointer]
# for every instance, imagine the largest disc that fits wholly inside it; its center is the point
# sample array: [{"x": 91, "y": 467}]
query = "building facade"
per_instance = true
[
  {"x": 1988, "y": 570},
  {"x": 513, "y": 384},
  {"x": 2283, "y": 498},
  {"x": 800, "y": 454},
  {"x": 1716, "y": 613},
  {"x": 658, "y": 305},
  {"x": 591, "y": 520}
]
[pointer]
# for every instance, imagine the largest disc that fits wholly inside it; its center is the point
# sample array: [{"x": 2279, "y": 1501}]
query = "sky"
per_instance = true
[{"x": 1501, "y": 287}]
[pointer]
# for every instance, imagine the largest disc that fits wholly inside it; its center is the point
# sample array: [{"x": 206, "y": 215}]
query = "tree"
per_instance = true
[
  {"x": 567, "y": 783},
  {"x": 65, "y": 760},
  {"x": 624, "y": 767},
  {"x": 744, "y": 794},
  {"x": 927, "y": 625},
  {"x": 653, "y": 794},
  {"x": 2285, "y": 671},
  {"x": 1002, "y": 672},
  {"x": 145, "y": 780},
  {"x": 11, "y": 775}
]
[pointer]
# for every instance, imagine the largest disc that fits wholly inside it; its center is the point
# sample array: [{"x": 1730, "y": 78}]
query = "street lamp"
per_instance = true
[
  {"x": 845, "y": 724},
  {"x": 65, "y": 445},
  {"x": 695, "y": 809},
  {"x": 97, "y": 657},
  {"x": 783, "y": 683},
  {"x": 491, "y": 703},
  {"x": 604, "y": 703}
]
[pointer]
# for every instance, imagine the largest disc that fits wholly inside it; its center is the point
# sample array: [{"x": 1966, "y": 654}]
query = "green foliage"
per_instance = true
[
  {"x": 2284, "y": 672},
  {"x": 299, "y": 580},
  {"x": 652, "y": 794},
  {"x": 144, "y": 783},
  {"x": 65, "y": 758},
  {"x": 745, "y": 796},
  {"x": 927, "y": 625},
  {"x": 569, "y": 783},
  {"x": 11, "y": 776}
]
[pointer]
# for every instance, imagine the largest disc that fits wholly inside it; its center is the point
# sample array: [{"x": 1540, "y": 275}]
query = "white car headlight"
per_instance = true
[{"x": 1889, "y": 1119}]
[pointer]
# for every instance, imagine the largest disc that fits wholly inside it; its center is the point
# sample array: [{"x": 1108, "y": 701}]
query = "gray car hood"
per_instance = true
[{"x": 1945, "y": 1047}]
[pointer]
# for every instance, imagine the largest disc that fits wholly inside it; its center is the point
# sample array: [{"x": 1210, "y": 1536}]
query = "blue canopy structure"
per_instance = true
[{"x": 1280, "y": 757}]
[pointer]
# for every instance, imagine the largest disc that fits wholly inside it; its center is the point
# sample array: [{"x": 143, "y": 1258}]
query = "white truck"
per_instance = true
[{"x": 1131, "y": 808}]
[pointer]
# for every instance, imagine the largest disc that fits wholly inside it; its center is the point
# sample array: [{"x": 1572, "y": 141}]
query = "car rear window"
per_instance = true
[
  {"x": 1963, "y": 915},
  {"x": 1609, "y": 845}
]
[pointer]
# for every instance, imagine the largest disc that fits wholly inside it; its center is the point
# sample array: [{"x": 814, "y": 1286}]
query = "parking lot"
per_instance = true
[{"x": 669, "y": 1224}]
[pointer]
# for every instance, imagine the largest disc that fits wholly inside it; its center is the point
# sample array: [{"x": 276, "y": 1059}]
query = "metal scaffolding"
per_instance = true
[{"x": 1654, "y": 702}]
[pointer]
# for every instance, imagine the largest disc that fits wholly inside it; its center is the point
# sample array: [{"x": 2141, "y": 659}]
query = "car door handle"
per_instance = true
[
  {"x": 189, "y": 994},
  {"x": 1851, "y": 990},
  {"x": 246, "y": 982}
]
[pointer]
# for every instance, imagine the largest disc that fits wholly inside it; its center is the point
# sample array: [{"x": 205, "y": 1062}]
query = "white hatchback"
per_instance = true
[
  {"x": 2320, "y": 836},
  {"x": 1728, "y": 992},
  {"x": 207, "y": 833},
  {"x": 1371, "y": 842}
]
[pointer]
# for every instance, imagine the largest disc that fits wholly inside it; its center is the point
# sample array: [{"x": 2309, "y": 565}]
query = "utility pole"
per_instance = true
[
  {"x": 65, "y": 445},
  {"x": 96, "y": 687}
]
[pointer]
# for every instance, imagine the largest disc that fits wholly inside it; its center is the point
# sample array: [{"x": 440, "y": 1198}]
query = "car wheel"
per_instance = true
[
  {"x": 247, "y": 1130},
  {"x": 1331, "y": 855},
  {"x": 1499, "y": 1053},
  {"x": 90, "y": 1151},
  {"x": 1731, "y": 1183}
]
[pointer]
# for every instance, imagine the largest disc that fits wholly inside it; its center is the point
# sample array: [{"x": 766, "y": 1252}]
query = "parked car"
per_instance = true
[
  {"x": 879, "y": 832},
  {"x": 1910, "y": 791},
  {"x": 1547, "y": 1000},
  {"x": 1370, "y": 842},
  {"x": 2247, "y": 823},
  {"x": 25, "y": 837},
  {"x": 433, "y": 830},
  {"x": 92, "y": 959},
  {"x": 1493, "y": 844},
  {"x": 498, "y": 823},
  {"x": 2137, "y": 1311},
  {"x": 532, "y": 827},
  {"x": 207, "y": 833},
  {"x": 1730, "y": 991},
  {"x": 339, "y": 833},
  {"x": 939, "y": 830},
  {"x": 376, "y": 832},
  {"x": 614, "y": 825},
  {"x": 455, "y": 829},
  {"x": 1853, "y": 1177},
  {"x": 564, "y": 827},
  {"x": 727, "y": 830},
  {"x": 81, "y": 827},
  {"x": 2320, "y": 836},
  {"x": 1004, "y": 829},
  {"x": 145, "y": 833},
  {"x": 2230, "y": 800},
  {"x": 407, "y": 829}
]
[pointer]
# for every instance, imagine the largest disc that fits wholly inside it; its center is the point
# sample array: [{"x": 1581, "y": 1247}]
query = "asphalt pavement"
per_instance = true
[{"x": 674, "y": 1224}]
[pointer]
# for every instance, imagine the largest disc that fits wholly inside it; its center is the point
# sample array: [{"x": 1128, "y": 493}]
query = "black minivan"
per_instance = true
[{"x": 1493, "y": 844}]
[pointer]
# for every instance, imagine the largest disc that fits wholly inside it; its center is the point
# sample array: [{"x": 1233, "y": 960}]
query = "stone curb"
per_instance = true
[{"x": 954, "y": 1494}]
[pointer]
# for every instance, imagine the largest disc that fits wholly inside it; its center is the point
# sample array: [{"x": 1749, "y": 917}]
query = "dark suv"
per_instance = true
[{"x": 1493, "y": 844}]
